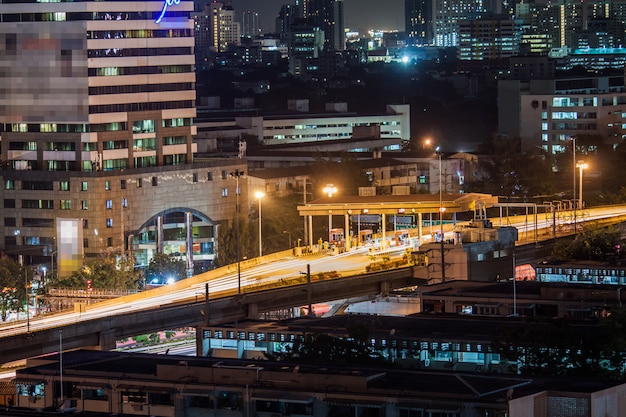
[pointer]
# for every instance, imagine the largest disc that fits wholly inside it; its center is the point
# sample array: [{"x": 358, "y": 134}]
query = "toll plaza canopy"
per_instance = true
[{"x": 384, "y": 205}]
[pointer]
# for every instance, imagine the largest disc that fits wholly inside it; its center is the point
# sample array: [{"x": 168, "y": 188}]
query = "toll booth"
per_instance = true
[
  {"x": 365, "y": 236},
  {"x": 336, "y": 236},
  {"x": 401, "y": 237}
]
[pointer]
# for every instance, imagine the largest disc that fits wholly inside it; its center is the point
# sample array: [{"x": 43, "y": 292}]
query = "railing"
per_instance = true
[{"x": 91, "y": 293}]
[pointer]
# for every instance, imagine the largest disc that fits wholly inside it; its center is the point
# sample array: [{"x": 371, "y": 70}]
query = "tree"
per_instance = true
[
  {"x": 162, "y": 267},
  {"x": 228, "y": 241},
  {"x": 12, "y": 286},
  {"x": 510, "y": 172},
  {"x": 104, "y": 273},
  {"x": 593, "y": 243},
  {"x": 559, "y": 348},
  {"x": 347, "y": 175}
]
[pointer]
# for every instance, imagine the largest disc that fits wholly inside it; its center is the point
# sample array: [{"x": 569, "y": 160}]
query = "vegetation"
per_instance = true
[
  {"x": 12, "y": 286},
  {"x": 163, "y": 267},
  {"x": 559, "y": 347},
  {"x": 593, "y": 244},
  {"x": 106, "y": 272},
  {"x": 314, "y": 348}
]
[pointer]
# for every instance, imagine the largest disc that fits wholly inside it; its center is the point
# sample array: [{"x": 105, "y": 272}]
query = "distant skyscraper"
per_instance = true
[
  {"x": 418, "y": 15},
  {"x": 225, "y": 31},
  {"x": 447, "y": 15},
  {"x": 329, "y": 16},
  {"x": 286, "y": 17},
  {"x": 250, "y": 25}
]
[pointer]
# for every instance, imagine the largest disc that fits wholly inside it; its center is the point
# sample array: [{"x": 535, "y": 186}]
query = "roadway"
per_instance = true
[{"x": 224, "y": 281}]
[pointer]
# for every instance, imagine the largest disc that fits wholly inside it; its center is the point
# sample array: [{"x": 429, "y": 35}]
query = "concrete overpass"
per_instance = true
[{"x": 102, "y": 333}]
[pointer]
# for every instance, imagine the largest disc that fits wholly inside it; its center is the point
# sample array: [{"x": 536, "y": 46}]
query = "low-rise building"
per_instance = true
[{"x": 169, "y": 386}]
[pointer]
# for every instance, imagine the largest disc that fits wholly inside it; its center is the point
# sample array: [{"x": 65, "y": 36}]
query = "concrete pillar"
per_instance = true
[
  {"x": 310, "y": 219},
  {"x": 383, "y": 243},
  {"x": 346, "y": 231},
  {"x": 384, "y": 289},
  {"x": 253, "y": 311},
  {"x": 107, "y": 340},
  {"x": 419, "y": 229}
]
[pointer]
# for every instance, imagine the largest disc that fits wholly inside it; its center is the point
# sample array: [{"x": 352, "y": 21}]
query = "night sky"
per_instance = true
[{"x": 360, "y": 15}]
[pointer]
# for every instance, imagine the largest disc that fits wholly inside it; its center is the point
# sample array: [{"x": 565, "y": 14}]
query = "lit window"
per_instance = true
[{"x": 224, "y": 192}]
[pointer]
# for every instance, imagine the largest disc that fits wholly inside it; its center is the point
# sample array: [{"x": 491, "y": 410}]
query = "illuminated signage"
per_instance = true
[{"x": 166, "y": 4}]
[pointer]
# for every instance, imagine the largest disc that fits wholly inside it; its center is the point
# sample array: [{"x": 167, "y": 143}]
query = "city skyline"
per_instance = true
[{"x": 360, "y": 15}]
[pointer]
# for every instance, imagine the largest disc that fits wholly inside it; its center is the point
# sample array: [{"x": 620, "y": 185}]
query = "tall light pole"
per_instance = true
[
  {"x": 330, "y": 189},
  {"x": 289, "y": 235},
  {"x": 236, "y": 174},
  {"x": 20, "y": 259},
  {"x": 259, "y": 196},
  {"x": 581, "y": 166},
  {"x": 441, "y": 210},
  {"x": 573, "y": 139}
]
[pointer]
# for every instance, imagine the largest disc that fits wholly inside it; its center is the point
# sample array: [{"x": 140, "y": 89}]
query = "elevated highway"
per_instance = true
[
  {"x": 182, "y": 304},
  {"x": 103, "y": 332}
]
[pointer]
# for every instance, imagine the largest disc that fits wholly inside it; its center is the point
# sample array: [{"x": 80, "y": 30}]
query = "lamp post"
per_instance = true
[
  {"x": 236, "y": 174},
  {"x": 573, "y": 139},
  {"x": 330, "y": 189},
  {"x": 441, "y": 210},
  {"x": 288, "y": 233},
  {"x": 581, "y": 166},
  {"x": 20, "y": 259},
  {"x": 259, "y": 196}
]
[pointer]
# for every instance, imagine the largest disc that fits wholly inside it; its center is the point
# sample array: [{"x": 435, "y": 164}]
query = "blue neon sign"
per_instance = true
[{"x": 166, "y": 4}]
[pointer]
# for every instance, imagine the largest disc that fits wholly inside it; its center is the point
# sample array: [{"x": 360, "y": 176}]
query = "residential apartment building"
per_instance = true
[
  {"x": 447, "y": 16},
  {"x": 418, "y": 16},
  {"x": 548, "y": 113},
  {"x": 487, "y": 42},
  {"x": 250, "y": 24}
]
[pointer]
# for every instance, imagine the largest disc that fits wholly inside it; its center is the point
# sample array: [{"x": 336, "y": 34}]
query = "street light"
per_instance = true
[
  {"x": 259, "y": 196},
  {"x": 236, "y": 174},
  {"x": 330, "y": 189},
  {"x": 573, "y": 139},
  {"x": 288, "y": 233},
  {"x": 581, "y": 165},
  {"x": 441, "y": 210},
  {"x": 20, "y": 259}
]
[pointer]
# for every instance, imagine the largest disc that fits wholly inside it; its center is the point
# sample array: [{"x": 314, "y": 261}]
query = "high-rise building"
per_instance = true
[
  {"x": 418, "y": 15},
  {"x": 306, "y": 43},
  {"x": 286, "y": 17},
  {"x": 97, "y": 124},
  {"x": 250, "y": 27},
  {"x": 487, "y": 42},
  {"x": 88, "y": 87},
  {"x": 329, "y": 16},
  {"x": 225, "y": 30},
  {"x": 447, "y": 15}
]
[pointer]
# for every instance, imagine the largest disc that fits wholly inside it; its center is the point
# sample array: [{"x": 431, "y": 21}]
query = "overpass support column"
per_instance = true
[
  {"x": 253, "y": 311},
  {"x": 310, "y": 220},
  {"x": 384, "y": 289},
  {"x": 383, "y": 242},
  {"x": 449, "y": 306},
  {"x": 107, "y": 340},
  {"x": 346, "y": 231},
  {"x": 419, "y": 229}
]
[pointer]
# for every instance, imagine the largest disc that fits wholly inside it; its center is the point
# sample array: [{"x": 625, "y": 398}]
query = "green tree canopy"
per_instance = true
[
  {"x": 163, "y": 267},
  {"x": 106, "y": 273},
  {"x": 12, "y": 286},
  {"x": 593, "y": 243}
]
